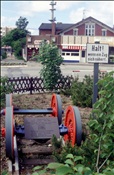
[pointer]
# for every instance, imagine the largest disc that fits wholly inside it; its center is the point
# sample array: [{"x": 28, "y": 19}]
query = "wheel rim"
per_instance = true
[
  {"x": 73, "y": 123},
  {"x": 9, "y": 125},
  {"x": 70, "y": 123},
  {"x": 56, "y": 105}
]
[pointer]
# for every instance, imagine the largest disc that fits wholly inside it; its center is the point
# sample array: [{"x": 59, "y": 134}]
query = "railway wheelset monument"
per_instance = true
[{"x": 41, "y": 128}]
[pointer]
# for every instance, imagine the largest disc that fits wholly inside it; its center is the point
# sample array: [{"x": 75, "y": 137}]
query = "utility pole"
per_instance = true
[{"x": 53, "y": 19}]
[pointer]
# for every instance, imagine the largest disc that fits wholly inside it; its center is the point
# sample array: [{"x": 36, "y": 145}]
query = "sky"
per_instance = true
[{"x": 38, "y": 12}]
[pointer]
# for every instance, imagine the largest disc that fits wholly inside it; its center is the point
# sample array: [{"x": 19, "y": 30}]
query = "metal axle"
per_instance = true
[{"x": 31, "y": 111}]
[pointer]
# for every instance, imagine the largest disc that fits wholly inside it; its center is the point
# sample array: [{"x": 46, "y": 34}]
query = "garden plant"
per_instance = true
[
  {"x": 4, "y": 89},
  {"x": 51, "y": 60}
]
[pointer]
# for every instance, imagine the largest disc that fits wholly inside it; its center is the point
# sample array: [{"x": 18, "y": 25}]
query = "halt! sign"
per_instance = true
[{"x": 97, "y": 53}]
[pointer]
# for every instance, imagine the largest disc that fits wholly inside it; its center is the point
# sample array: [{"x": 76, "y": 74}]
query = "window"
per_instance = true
[
  {"x": 90, "y": 29},
  {"x": 67, "y": 53},
  {"x": 83, "y": 53},
  {"x": 74, "y": 54},
  {"x": 75, "y": 31},
  {"x": 104, "y": 32}
]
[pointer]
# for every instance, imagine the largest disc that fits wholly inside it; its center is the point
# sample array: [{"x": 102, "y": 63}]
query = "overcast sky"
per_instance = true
[{"x": 38, "y": 12}]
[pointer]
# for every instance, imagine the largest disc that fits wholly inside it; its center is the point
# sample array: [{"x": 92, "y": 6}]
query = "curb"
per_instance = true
[
  {"x": 14, "y": 66},
  {"x": 87, "y": 64}
]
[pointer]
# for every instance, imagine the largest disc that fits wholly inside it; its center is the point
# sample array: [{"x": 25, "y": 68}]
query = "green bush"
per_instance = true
[
  {"x": 4, "y": 172},
  {"x": 51, "y": 60},
  {"x": 81, "y": 92},
  {"x": 101, "y": 125},
  {"x": 4, "y": 89},
  {"x": 71, "y": 166},
  {"x": 4, "y": 55}
]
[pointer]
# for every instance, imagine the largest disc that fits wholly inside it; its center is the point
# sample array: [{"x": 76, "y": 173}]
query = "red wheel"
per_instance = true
[
  {"x": 73, "y": 123},
  {"x": 8, "y": 100},
  {"x": 56, "y": 105},
  {"x": 9, "y": 125}
]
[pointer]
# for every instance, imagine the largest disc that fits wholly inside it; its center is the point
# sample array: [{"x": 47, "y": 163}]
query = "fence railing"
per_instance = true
[{"x": 36, "y": 84}]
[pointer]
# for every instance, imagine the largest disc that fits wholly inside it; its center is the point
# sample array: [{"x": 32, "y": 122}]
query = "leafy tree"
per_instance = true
[
  {"x": 6, "y": 40},
  {"x": 22, "y": 23},
  {"x": 17, "y": 47},
  {"x": 16, "y": 38},
  {"x": 14, "y": 35},
  {"x": 51, "y": 60}
]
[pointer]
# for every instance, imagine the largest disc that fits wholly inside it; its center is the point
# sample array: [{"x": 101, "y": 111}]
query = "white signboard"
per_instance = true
[
  {"x": 37, "y": 41},
  {"x": 97, "y": 53}
]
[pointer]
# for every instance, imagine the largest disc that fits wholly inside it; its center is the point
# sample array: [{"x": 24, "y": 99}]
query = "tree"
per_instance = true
[
  {"x": 17, "y": 47},
  {"x": 16, "y": 38},
  {"x": 51, "y": 60},
  {"x": 22, "y": 23},
  {"x": 12, "y": 36}
]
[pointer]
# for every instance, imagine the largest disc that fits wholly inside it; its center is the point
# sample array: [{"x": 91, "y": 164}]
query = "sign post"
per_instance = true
[
  {"x": 97, "y": 53},
  {"x": 95, "y": 80}
]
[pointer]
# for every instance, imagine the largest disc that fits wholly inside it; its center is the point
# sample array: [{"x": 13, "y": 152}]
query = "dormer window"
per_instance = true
[
  {"x": 104, "y": 32},
  {"x": 90, "y": 29},
  {"x": 75, "y": 31}
]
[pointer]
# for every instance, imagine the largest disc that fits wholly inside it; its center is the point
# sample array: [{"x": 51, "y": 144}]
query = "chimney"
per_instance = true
[{"x": 53, "y": 28}]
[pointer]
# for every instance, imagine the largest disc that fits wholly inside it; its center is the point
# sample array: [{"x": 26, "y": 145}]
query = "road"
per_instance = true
[{"x": 32, "y": 69}]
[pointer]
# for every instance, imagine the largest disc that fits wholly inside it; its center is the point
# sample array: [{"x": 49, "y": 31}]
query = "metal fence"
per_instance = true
[{"x": 36, "y": 84}]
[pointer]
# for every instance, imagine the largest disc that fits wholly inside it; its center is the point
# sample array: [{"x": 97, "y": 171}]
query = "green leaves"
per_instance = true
[
  {"x": 51, "y": 60},
  {"x": 70, "y": 156},
  {"x": 54, "y": 165},
  {"x": 37, "y": 168},
  {"x": 81, "y": 92},
  {"x": 22, "y": 23},
  {"x": 5, "y": 88},
  {"x": 78, "y": 158},
  {"x": 40, "y": 170},
  {"x": 16, "y": 38},
  {"x": 69, "y": 162},
  {"x": 64, "y": 170},
  {"x": 61, "y": 169},
  {"x": 102, "y": 127}
]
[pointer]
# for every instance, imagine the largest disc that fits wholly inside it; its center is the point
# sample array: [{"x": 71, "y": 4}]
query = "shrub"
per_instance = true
[
  {"x": 101, "y": 139},
  {"x": 51, "y": 60},
  {"x": 4, "y": 89},
  {"x": 4, "y": 55},
  {"x": 81, "y": 92}
]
